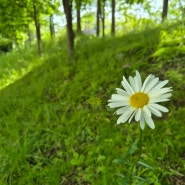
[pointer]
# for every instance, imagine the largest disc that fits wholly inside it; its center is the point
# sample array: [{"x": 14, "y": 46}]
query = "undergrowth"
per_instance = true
[{"x": 56, "y": 127}]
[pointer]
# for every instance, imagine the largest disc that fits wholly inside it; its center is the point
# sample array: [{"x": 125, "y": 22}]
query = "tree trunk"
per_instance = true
[
  {"x": 98, "y": 13},
  {"x": 113, "y": 18},
  {"x": 67, "y": 4},
  {"x": 103, "y": 19},
  {"x": 165, "y": 10},
  {"x": 78, "y": 16},
  {"x": 37, "y": 27},
  {"x": 51, "y": 26}
]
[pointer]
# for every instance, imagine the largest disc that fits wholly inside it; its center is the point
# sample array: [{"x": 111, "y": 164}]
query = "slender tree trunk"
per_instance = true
[
  {"x": 78, "y": 16},
  {"x": 67, "y": 4},
  {"x": 103, "y": 19},
  {"x": 113, "y": 18},
  {"x": 37, "y": 27},
  {"x": 51, "y": 26},
  {"x": 165, "y": 10},
  {"x": 98, "y": 13}
]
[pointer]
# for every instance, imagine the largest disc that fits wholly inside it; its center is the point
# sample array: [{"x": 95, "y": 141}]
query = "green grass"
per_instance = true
[{"x": 56, "y": 127}]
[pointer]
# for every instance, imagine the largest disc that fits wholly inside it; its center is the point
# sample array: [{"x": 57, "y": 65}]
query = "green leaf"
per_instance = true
[
  {"x": 129, "y": 152},
  {"x": 147, "y": 166},
  {"x": 77, "y": 159},
  {"x": 122, "y": 161},
  {"x": 132, "y": 149},
  {"x": 140, "y": 178}
]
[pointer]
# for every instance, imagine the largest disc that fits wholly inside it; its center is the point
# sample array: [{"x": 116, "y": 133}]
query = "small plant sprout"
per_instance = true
[{"x": 140, "y": 100}]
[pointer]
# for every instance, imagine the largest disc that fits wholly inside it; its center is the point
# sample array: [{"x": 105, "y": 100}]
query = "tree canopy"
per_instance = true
[{"x": 23, "y": 20}]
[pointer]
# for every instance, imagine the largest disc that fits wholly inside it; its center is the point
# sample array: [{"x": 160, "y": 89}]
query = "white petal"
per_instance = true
[
  {"x": 142, "y": 122},
  {"x": 158, "y": 92},
  {"x": 149, "y": 121},
  {"x": 122, "y": 110},
  {"x": 131, "y": 117},
  {"x": 122, "y": 102},
  {"x": 157, "y": 100},
  {"x": 161, "y": 96},
  {"x": 122, "y": 92},
  {"x": 138, "y": 115},
  {"x": 127, "y": 86},
  {"x": 132, "y": 83},
  {"x": 138, "y": 81},
  {"x": 151, "y": 85},
  {"x": 159, "y": 107},
  {"x": 124, "y": 117},
  {"x": 147, "y": 81},
  {"x": 159, "y": 85},
  {"x": 117, "y": 104},
  {"x": 155, "y": 111},
  {"x": 118, "y": 97},
  {"x": 146, "y": 111}
]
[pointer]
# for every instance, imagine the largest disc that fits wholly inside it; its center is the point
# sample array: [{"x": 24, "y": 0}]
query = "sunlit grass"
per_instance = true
[{"x": 14, "y": 66}]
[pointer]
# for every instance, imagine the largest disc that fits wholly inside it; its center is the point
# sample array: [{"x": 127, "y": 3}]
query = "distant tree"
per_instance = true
[
  {"x": 51, "y": 9},
  {"x": 67, "y": 5},
  {"x": 103, "y": 17},
  {"x": 78, "y": 15},
  {"x": 113, "y": 4},
  {"x": 165, "y": 10},
  {"x": 35, "y": 10},
  {"x": 37, "y": 26},
  {"x": 134, "y": 1},
  {"x": 98, "y": 14},
  {"x": 79, "y": 5},
  {"x": 51, "y": 26}
]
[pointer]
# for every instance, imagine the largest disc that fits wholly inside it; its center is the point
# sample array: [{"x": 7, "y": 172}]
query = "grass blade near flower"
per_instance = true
[
  {"x": 129, "y": 152},
  {"x": 147, "y": 166}
]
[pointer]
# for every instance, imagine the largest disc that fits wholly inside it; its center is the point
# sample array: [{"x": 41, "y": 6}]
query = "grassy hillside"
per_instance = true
[{"x": 56, "y": 127}]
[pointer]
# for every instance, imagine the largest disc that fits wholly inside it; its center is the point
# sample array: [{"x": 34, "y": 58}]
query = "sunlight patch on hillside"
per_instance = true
[{"x": 10, "y": 73}]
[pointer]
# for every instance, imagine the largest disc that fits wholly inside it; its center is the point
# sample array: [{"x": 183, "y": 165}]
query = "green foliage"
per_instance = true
[
  {"x": 134, "y": 1},
  {"x": 17, "y": 17},
  {"x": 56, "y": 127}
]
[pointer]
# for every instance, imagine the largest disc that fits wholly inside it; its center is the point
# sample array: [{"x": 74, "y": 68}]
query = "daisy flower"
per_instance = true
[{"x": 140, "y": 100}]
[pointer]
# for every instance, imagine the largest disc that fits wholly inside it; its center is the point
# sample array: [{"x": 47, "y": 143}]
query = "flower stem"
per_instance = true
[{"x": 139, "y": 156}]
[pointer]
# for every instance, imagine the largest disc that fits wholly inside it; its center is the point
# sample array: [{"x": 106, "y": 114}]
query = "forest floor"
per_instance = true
[{"x": 57, "y": 129}]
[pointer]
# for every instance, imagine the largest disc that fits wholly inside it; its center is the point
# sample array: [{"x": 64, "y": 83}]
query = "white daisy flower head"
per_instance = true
[{"x": 140, "y": 100}]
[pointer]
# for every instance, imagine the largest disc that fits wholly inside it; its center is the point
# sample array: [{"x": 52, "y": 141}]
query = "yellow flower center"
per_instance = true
[{"x": 139, "y": 100}]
